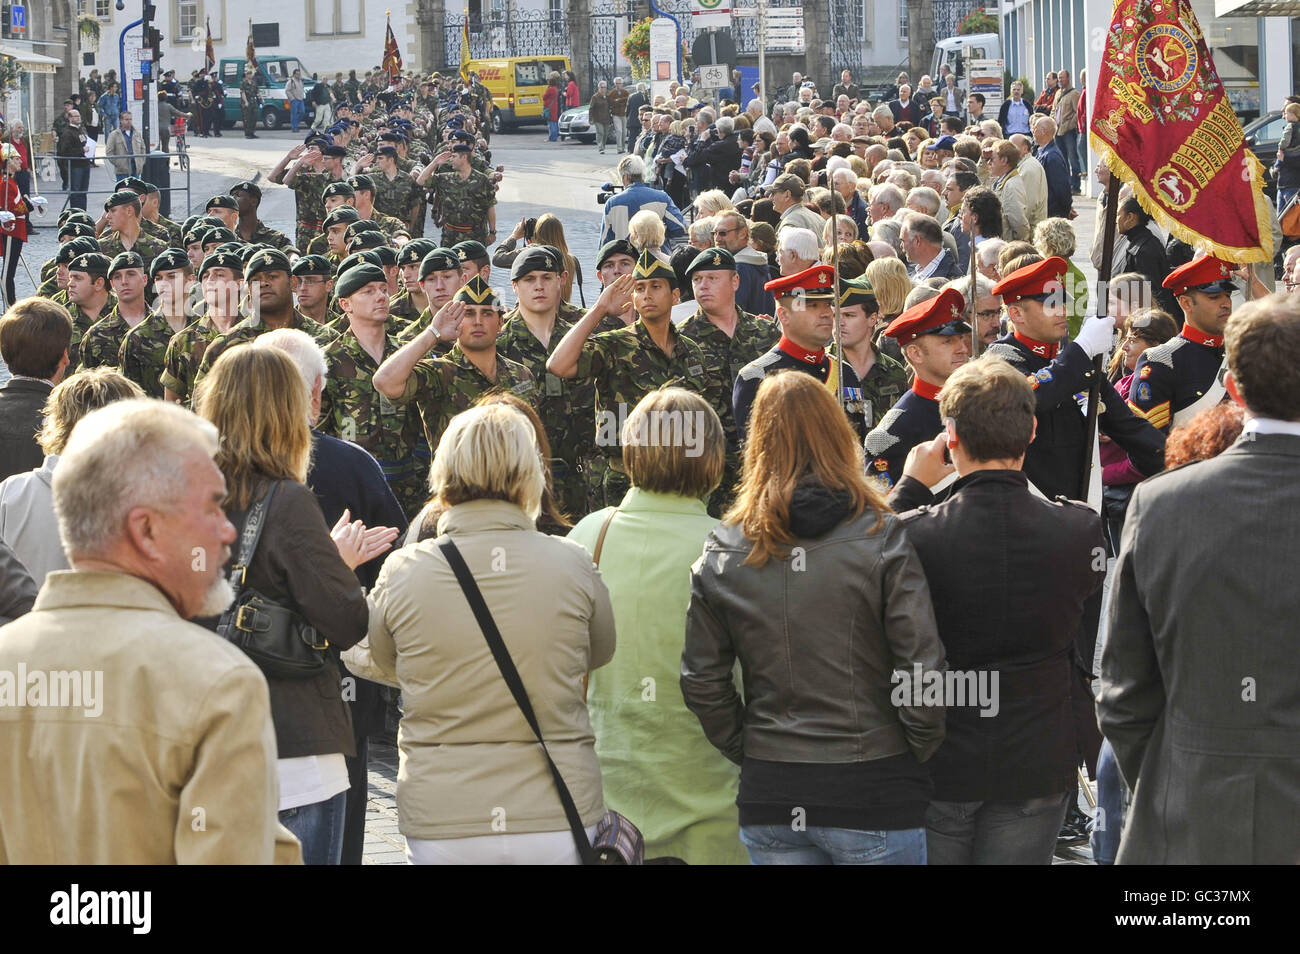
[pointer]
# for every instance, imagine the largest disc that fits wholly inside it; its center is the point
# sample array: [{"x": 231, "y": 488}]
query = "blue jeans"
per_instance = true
[
  {"x": 111, "y": 121},
  {"x": 781, "y": 845},
  {"x": 1068, "y": 143},
  {"x": 78, "y": 183},
  {"x": 320, "y": 829},
  {"x": 1112, "y": 805},
  {"x": 554, "y": 128},
  {"x": 297, "y": 109},
  {"x": 995, "y": 833}
]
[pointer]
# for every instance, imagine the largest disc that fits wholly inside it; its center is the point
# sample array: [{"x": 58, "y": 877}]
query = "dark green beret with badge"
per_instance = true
[
  {"x": 343, "y": 215},
  {"x": 121, "y": 197},
  {"x": 650, "y": 265},
  {"x": 223, "y": 201},
  {"x": 92, "y": 263},
  {"x": 440, "y": 260},
  {"x": 362, "y": 183},
  {"x": 75, "y": 247},
  {"x": 124, "y": 260},
  {"x": 711, "y": 260},
  {"x": 71, "y": 230},
  {"x": 362, "y": 257},
  {"x": 478, "y": 292},
  {"x": 221, "y": 236},
  {"x": 246, "y": 186},
  {"x": 313, "y": 265},
  {"x": 168, "y": 260},
  {"x": 221, "y": 259},
  {"x": 470, "y": 251},
  {"x": 134, "y": 183},
  {"x": 616, "y": 247},
  {"x": 413, "y": 252},
  {"x": 360, "y": 225},
  {"x": 537, "y": 258},
  {"x": 369, "y": 238},
  {"x": 266, "y": 260},
  {"x": 358, "y": 277},
  {"x": 80, "y": 215},
  {"x": 341, "y": 187}
]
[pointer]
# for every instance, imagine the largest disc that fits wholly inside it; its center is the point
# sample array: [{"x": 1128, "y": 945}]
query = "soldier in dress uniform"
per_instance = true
[
  {"x": 806, "y": 312},
  {"x": 1035, "y": 301},
  {"x": 935, "y": 341},
  {"x": 884, "y": 379},
  {"x": 1175, "y": 381}
]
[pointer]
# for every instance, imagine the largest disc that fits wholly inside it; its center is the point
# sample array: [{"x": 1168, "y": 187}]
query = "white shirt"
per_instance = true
[
  {"x": 311, "y": 779},
  {"x": 1270, "y": 425}
]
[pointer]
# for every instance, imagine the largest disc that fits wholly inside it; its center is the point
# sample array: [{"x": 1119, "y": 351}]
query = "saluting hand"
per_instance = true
[
  {"x": 446, "y": 323},
  {"x": 616, "y": 297}
]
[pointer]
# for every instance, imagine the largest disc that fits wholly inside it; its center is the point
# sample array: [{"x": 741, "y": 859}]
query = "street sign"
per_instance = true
[
  {"x": 710, "y": 13},
  {"x": 663, "y": 55},
  {"x": 713, "y": 46},
  {"x": 985, "y": 76},
  {"x": 772, "y": 14},
  {"x": 146, "y": 54},
  {"x": 18, "y": 19},
  {"x": 715, "y": 76}
]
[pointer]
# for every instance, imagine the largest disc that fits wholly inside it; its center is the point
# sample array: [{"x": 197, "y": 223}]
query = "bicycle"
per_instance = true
[{"x": 182, "y": 148}]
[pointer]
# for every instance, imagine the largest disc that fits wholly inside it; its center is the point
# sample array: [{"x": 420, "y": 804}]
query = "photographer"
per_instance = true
[
  {"x": 506, "y": 252},
  {"x": 715, "y": 153},
  {"x": 635, "y": 196}
]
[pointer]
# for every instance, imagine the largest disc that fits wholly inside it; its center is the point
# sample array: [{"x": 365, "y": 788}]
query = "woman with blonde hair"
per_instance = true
[
  {"x": 257, "y": 400},
  {"x": 711, "y": 202},
  {"x": 473, "y": 787},
  {"x": 810, "y": 582},
  {"x": 1055, "y": 236},
  {"x": 888, "y": 276},
  {"x": 855, "y": 256},
  {"x": 847, "y": 228},
  {"x": 655, "y": 764},
  {"x": 549, "y": 230},
  {"x": 645, "y": 231}
]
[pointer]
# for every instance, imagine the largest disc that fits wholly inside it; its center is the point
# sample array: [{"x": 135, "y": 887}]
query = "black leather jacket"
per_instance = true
[{"x": 818, "y": 635}]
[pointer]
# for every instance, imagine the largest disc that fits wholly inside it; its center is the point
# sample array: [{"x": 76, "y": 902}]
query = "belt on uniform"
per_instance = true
[
  {"x": 395, "y": 470},
  {"x": 458, "y": 228}
]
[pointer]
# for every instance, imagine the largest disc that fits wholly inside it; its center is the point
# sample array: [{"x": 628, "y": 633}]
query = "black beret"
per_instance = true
[
  {"x": 362, "y": 183},
  {"x": 124, "y": 260},
  {"x": 313, "y": 265},
  {"x": 358, "y": 277},
  {"x": 439, "y": 260},
  {"x": 389, "y": 151},
  {"x": 537, "y": 258},
  {"x": 616, "y": 247},
  {"x": 334, "y": 152},
  {"x": 221, "y": 259},
  {"x": 413, "y": 252},
  {"x": 470, "y": 251},
  {"x": 92, "y": 263},
  {"x": 221, "y": 235},
  {"x": 247, "y": 186},
  {"x": 343, "y": 215},
  {"x": 341, "y": 187},
  {"x": 75, "y": 229},
  {"x": 75, "y": 247},
  {"x": 134, "y": 183},
  {"x": 462, "y": 147},
  {"x": 223, "y": 201},
  {"x": 121, "y": 197},
  {"x": 266, "y": 260},
  {"x": 168, "y": 260}
]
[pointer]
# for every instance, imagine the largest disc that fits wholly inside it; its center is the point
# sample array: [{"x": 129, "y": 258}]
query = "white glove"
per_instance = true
[
  {"x": 39, "y": 202},
  {"x": 1096, "y": 335},
  {"x": 6, "y": 219}
]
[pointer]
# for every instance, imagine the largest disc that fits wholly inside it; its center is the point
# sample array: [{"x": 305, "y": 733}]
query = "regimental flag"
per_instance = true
[
  {"x": 250, "y": 52},
  {"x": 1162, "y": 122},
  {"x": 464, "y": 47},
  {"x": 392, "y": 61},
  {"x": 209, "y": 56}
]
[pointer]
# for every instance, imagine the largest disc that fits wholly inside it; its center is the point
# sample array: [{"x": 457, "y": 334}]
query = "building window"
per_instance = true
[
  {"x": 187, "y": 19},
  {"x": 557, "y": 17},
  {"x": 336, "y": 17},
  {"x": 902, "y": 19},
  {"x": 103, "y": 9}
]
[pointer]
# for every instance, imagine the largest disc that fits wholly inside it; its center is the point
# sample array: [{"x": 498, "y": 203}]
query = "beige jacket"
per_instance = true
[
  {"x": 1010, "y": 189},
  {"x": 169, "y": 758},
  {"x": 1035, "y": 181},
  {"x": 469, "y": 762}
]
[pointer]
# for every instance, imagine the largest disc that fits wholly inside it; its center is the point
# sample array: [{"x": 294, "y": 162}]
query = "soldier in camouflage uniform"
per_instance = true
[
  {"x": 149, "y": 204},
  {"x": 466, "y": 199},
  {"x": 103, "y": 339},
  {"x": 89, "y": 297},
  {"x": 334, "y": 234},
  {"x": 440, "y": 278},
  {"x": 566, "y": 408},
  {"x": 313, "y": 286},
  {"x": 443, "y": 387},
  {"x": 409, "y": 303},
  {"x": 628, "y": 364},
  {"x": 396, "y": 193},
  {"x": 715, "y": 283},
  {"x": 351, "y": 408},
  {"x": 143, "y": 354},
  {"x": 274, "y": 298},
  {"x": 249, "y": 227},
  {"x": 54, "y": 284},
  {"x": 220, "y": 313},
  {"x": 309, "y": 185},
  {"x": 123, "y": 212},
  {"x": 364, "y": 189},
  {"x": 250, "y": 98}
]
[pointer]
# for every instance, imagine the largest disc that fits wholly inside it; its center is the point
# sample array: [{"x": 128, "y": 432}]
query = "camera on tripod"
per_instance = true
[{"x": 607, "y": 190}]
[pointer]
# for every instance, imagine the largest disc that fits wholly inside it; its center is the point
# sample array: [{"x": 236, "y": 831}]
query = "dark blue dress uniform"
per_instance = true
[
  {"x": 812, "y": 284},
  {"x": 1175, "y": 375},
  {"x": 915, "y": 418},
  {"x": 1061, "y": 378}
]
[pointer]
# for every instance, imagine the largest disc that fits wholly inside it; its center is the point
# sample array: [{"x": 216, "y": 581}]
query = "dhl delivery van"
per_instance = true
[{"x": 517, "y": 84}]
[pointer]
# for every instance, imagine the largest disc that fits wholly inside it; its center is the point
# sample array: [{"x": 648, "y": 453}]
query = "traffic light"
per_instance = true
[{"x": 154, "y": 38}]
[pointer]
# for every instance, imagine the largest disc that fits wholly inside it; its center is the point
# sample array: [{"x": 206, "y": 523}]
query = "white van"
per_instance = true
[{"x": 955, "y": 51}]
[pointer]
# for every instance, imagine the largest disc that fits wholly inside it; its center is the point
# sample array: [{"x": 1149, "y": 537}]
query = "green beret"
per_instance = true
[
  {"x": 858, "y": 291},
  {"x": 341, "y": 187},
  {"x": 369, "y": 239},
  {"x": 362, "y": 183},
  {"x": 711, "y": 260},
  {"x": 77, "y": 246},
  {"x": 439, "y": 260},
  {"x": 121, "y": 197},
  {"x": 246, "y": 252},
  {"x": 537, "y": 258},
  {"x": 413, "y": 252},
  {"x": 223, "y": 201},
  {"x": 266, "y": 260},
  {"x": 361, "y": 225},
  {"x": 478, "y": 292},
  {"x": 248, "y": 186},
  {"x": 79, "y": 214},
  {"x": 313, "y": 265},
  {"x": 74, "y": 229},
  {"x": 92, "y": 263},
  {"x": 168, "y": 260},
  {"x": 470, "y": 251},
  {"x": 124, "y": 260},
  {"x": 221, "y": 235},
  {"x": 616, "y": 247},
  {"x": 134, "y": 183},
  {"x": 221, "y": 260},
  {"x": 212, "y": 221},
  {"x": 342, "y": 215},
  {"x": 364, "y": 256},
  {"x": 650, "y": 265},
  {"x": 358, "y": 277}
]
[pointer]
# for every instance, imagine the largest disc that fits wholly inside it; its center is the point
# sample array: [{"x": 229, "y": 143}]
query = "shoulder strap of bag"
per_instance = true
[
  {"x": 254, "y": 521},
  {"x": 511, "y": 675},
  {"x": 600, "y": 540}
]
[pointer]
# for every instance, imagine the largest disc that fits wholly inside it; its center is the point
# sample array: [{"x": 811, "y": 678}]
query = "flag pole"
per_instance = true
[
  {"x": 1103, "y": 306},
  {"x": 970, "y": 305}
]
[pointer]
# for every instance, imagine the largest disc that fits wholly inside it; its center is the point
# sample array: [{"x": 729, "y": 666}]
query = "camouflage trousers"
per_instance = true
[{"x": 250, "y": 119}]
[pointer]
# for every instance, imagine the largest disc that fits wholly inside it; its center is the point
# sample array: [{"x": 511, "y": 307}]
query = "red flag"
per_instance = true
[
  {"x": 392, "y": 61},
  {"x": 1163, "y": 124},
  {"x": 250, "y": 52},
  {"x": 209, "y": 56}
]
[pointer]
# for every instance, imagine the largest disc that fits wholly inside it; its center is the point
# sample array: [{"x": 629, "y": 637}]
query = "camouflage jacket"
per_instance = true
[
  {"x": 81, "y": 325},
  {"x": 886, "y": 382},
  {"x": 143, "y": 354},
  {"x": 173, "y": 230},
  {"x": 402, "y": 306},
  {"x": 161, "y": 233},
  {"x": 184, "y": 355},
  {"x": 147, "y": 246},
  {"x": 250, "y": 328},
  {"x": 443, "y": 387},
  {"x": 463, "y": 204},
  {"x": 102, "y": 342},
  {"x": 399, "y": 197},
  {"x": 263, "y": 234},
  {"x": 352, "y": 410}
]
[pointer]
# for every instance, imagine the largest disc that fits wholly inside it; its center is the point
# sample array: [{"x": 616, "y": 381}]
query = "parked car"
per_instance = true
[
  {"x": 575, "y": 124},
  {"x": 272, "y": 73},
  {"x": 1262, "y": 136}
]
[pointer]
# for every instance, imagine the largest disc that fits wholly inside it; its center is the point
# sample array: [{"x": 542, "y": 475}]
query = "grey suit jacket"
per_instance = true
[{"x": 1200, "y": 695}]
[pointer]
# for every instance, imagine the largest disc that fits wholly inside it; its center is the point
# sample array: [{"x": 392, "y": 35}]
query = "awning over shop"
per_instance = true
[
  {"x": 31, "y": 62},
  {"x": 1257, "y": 8}
]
